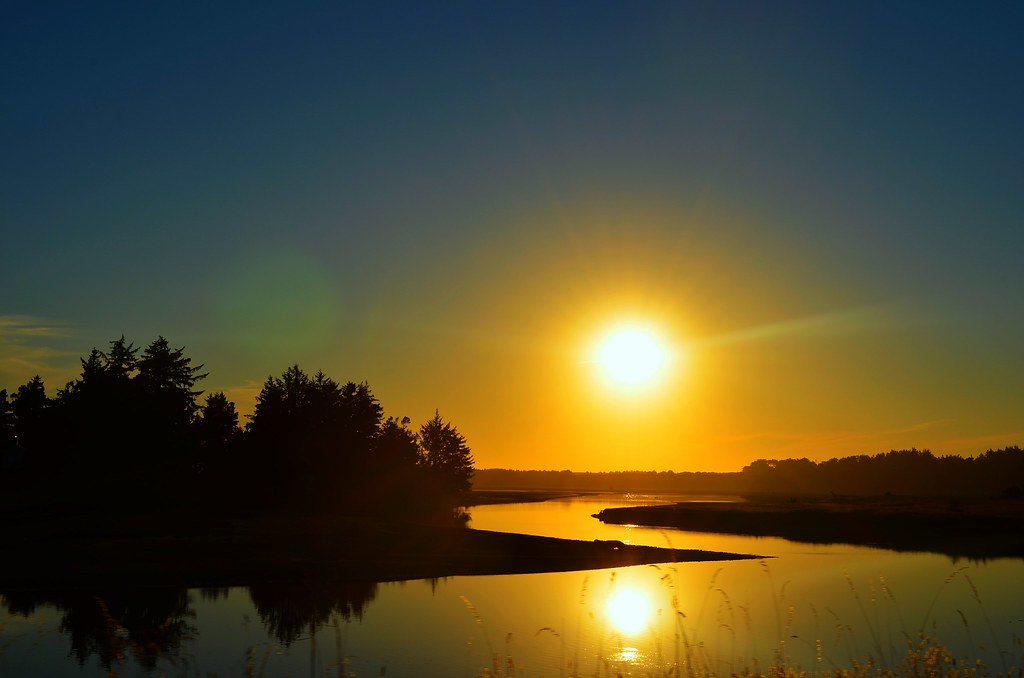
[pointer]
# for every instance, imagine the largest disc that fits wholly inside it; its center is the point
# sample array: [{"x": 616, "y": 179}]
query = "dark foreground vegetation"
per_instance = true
[
  {"x": 132, "y": 434},
  {"x": 960, "y": 528},
  {"x": 126, "y": 477}
]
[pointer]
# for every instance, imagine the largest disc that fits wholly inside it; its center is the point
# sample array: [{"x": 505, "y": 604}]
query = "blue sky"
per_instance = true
[{"x": 820, "y": 201}]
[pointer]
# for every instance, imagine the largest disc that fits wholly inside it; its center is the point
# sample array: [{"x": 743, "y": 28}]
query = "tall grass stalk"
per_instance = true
[
  {"x": 988, "y": 622},
  {"x": 707, "y": 643}
]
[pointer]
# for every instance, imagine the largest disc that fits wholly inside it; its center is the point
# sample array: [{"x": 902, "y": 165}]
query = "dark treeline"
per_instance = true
[
  {"x": 614, "y": 481},
  {"x": 906, "y": 472},
  {"x": 134, "y": 430}
]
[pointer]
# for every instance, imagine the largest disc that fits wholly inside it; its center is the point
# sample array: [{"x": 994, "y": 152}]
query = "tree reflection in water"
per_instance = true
[
  {"x": 289, "y": 611},
  {"x": 152, "y": 624},
  {"x": 146, "y": 624}
]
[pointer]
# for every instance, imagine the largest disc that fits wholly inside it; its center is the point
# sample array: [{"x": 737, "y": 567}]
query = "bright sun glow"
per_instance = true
[
  {"x": 629, "y": 611},
  {"x": 631, "y": 355}
]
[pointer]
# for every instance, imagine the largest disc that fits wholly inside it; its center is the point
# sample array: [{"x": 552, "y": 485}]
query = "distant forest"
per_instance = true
[
  {"x": 905, "y": 472},
  {"x": 133, "y": 433}
]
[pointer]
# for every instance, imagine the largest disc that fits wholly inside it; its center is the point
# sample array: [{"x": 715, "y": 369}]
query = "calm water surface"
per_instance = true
[{"x": 819, "y": 606}]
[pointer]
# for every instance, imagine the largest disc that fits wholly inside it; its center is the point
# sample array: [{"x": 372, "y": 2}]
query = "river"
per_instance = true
[{"x": 818, "y": 607}]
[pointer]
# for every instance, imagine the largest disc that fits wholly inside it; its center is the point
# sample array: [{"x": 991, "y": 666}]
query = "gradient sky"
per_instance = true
[{"x": 819, "y": 206}]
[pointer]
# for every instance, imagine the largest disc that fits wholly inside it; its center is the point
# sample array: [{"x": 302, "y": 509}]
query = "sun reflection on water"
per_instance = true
[
  {"x": 629, "y": 610},
  {"x": 627, "y": 655}
]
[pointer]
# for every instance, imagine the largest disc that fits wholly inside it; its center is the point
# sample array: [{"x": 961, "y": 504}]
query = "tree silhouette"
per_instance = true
[
  {"x": 215, "y": 455},
  {"x": 30, "y": 407},
  {"x": 99, "y": 417},
  {"x": 280, "y": 407},
  {"x": 398, "y": 471},
  {"x": 126, "y": 424},
  {"x": 217, "y": 425},
  {"x": 120, "y": 363},
  {"x": 397, "y": 445},
  {"x": 315, "y": 439},
  {"x": 6, "y": 422},
  {"x": 313, "y": 442},
  {"x": 447, "y": 458},
  {"x": 277, "y": 437},
  {"x": 166, "y": 414},
  {"x": 358, "y": 423},
  {"x": 167, "y": 379},
  {"x": 131, "y": 425}
]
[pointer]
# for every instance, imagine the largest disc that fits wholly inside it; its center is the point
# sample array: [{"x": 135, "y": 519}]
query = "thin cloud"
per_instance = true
[
  {"x": 26, "y": 350},
  {"x": 835, "y": 323},
  {"x": 13, "y": 327}
]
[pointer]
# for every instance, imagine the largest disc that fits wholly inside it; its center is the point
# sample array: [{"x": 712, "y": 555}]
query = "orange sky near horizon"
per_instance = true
[
  {"x": 817, "y": 207},
  {"x": 773, "y": 360},
  {"x": 769, "y": 357}
]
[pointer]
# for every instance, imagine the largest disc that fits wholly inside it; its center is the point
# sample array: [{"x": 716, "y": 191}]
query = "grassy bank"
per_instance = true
[{"x": 958, "y": 527}]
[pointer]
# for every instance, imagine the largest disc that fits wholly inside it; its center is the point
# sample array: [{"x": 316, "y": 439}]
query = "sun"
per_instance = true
[{"x": 631, "y": 355}]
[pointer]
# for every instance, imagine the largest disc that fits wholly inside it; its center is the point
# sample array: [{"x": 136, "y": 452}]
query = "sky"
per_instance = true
[{"x": 817, "y": 209}]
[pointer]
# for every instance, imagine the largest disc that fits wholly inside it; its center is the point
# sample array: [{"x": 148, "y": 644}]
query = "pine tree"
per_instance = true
[{"x": 447, "y": 458}]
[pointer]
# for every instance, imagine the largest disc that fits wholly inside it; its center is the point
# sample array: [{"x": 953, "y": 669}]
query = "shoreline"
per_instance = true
[
  {"x": 956, "y": 527},
  {"x": 243, "y": 552}
]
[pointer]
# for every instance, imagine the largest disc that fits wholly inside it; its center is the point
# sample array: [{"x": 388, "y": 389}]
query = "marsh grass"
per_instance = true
[{"x": 718, "y": 638}]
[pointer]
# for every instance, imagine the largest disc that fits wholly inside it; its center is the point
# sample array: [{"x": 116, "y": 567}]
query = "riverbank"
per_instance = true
[
  {"x": 958, "y": 527},
  {"x": 196, "y": 551}
]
